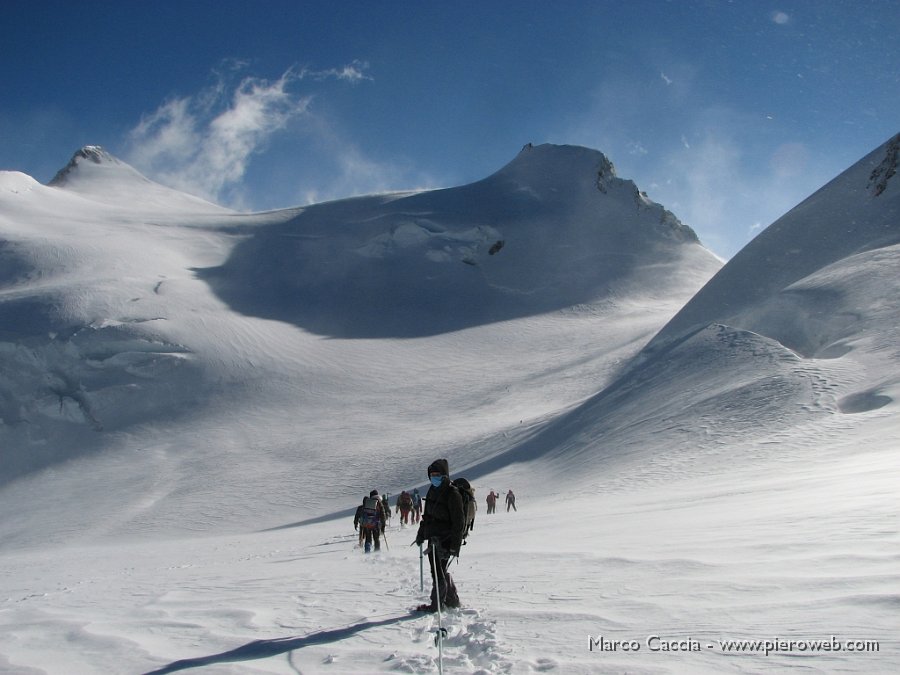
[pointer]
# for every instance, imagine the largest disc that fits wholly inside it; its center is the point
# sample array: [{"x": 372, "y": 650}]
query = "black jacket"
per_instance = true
[{"x": 443, "y": 517}]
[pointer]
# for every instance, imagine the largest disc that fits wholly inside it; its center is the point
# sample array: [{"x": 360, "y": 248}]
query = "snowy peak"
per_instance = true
[
  {"x": 93, "y": 172},
  {"x": 92, "y": 161},
  {"x": 90, "y": 153},
  {"x": 560, "y": 173},
  {"x": 538, "y": 164}
]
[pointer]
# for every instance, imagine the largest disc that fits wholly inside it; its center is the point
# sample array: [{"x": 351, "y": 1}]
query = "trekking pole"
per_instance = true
[
  {"x": 441, "y": 631},
  {"x": 384, "y": 535},
  {"x": 421, "y": 571}
]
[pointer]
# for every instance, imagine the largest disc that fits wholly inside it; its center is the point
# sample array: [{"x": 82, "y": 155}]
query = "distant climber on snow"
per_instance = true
[
  {"x": 369, "y": 520},
  {"x": 417, "y": 505},
  {"x": 386, "y": 509},
  {"x": 404, "y": 507},
  {"x": 492, "y": 502}
]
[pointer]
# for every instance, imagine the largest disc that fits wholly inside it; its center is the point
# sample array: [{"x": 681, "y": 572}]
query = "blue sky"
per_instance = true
[{"x": 727, "y": 113}]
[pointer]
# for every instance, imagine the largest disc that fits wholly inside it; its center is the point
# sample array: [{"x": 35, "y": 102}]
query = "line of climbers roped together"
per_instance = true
[{"x": 445, "y": 517}]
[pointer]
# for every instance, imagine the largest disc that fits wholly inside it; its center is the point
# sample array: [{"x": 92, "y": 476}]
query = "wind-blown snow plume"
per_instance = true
[{"x": 203, "y": 143}]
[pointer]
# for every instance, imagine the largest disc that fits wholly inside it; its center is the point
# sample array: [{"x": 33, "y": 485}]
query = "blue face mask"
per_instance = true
[{"x": 437, "y": 480}]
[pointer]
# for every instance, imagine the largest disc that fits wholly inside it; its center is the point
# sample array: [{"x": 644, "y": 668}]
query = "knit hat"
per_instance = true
[{"x": 441, "y": 466}]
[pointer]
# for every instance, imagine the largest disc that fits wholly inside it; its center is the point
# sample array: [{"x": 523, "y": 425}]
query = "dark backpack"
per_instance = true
[
  {"x": 469, "y": 507},
  {"x": 369, "y": 516}
]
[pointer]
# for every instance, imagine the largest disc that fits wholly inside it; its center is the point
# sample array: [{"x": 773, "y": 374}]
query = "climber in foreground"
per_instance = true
[{"x": 442, "y": 527}]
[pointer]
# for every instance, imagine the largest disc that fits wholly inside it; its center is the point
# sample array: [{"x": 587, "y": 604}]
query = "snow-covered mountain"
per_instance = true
[
  {"x": 553, "y": 229},
  {"x": 799, "y": 327},
  {"x": 95, "y": 174},
  {"x": 138, "y": 318},
  {"x": 787, "y": 283},
  {"x": 702, "y": 454}
]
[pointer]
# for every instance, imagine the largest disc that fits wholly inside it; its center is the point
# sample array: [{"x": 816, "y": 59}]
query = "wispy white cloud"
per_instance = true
[
  {"x": 352, "y": 72},
  {"x": 203, "y": 143}
]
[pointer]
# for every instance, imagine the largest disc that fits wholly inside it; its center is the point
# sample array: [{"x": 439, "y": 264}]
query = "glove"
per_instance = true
[
  {"x": 419, "y": 539},
  {"x": 355, "y": 528}
]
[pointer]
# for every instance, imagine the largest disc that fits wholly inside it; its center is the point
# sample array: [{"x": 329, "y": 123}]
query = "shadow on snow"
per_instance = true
[{"x": 263, "y": 649}]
